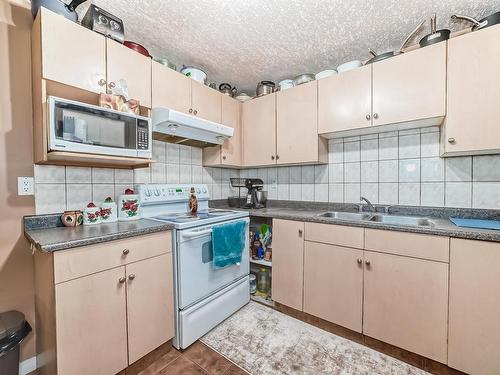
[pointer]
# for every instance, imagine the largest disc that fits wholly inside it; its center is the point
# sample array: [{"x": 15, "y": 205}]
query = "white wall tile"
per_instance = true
[
  {"x": 216, "y": 174},
  {"x": 486, "y": 195},
  {"x": 432, "y": 169},
  {"x": 409, "y": 194},
  {"x": 295, "y": 192},
  {"x": 185, "y": 175},
  {"x": 352, "y": 152},
  {"x": 336, "y": 193},
  {"x": 283, "y": 175},
  {"x": 272, "y": 175},
  {"x": 388, "y": 171},
  {"x": 173, "y": 152},
  {"x": 432, "y": 194},
  {"x": 409, "y": 170},
  {"x": 307, "y": 174},
  {"x": 262, "y": 174},
  {"x": 206, "y": 176},
  {"x": 369, "y": 149},
  {"x": 101, "y": 191},
  {"x": 173, "y": 174},
  {"x": 120, "y": 190},
  {"x": 197, "y": 175},
  {"x": 159, "y": 151},
  {"x": 307, "y": 194},
  {"x": 185, "y": 154},
  {"x": 124, "y": 176},
  {"x": 486, "y": 168},
  {"x": 388, "y": 148},
  {"x": 336, "y": 152},
  {"x": 50, "y": 198},
  {"x": 336, "y": 173},
  {"x": 388, "y": 193},
  {"x": 283, "y": 192},
  {"x": 295, "y": 175},
  {"x": 158, "y": 173},
  {"x": 352, "y": 192},
  {"x": 352, "y": 172},
  {"x": 458, "y": 194},
  {"x": 429, "y": 144},
  {"x": 49, "y": 174},
  {"x": 370, "y": 191},
  {"x": 369, "y": 171},
  {"x": 103, "y": 175},
  {"x": 321, "y": 192},
  {"x": 78, "y": 196},
  {"x": 272, "y": 192},
  {"x": 459, "y": 168},
  {"x": 409, "y": 146},
  {"x": 142, "y": 176},
  {"x": 321, "y": 174},
  {"x": 196, "y": 156},
  {"x": 80, "y": 175}
]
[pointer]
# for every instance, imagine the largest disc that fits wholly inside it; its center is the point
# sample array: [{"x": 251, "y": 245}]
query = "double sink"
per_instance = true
[{"x": 414, "y": 221}]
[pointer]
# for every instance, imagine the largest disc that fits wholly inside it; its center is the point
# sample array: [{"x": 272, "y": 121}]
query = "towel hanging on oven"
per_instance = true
[{"x": 228, "y": 242}]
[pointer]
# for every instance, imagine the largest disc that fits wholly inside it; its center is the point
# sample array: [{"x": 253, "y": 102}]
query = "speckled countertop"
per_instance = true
[
  {"x": 47, "y": 234},
  {"x": 439, "y": 216}
]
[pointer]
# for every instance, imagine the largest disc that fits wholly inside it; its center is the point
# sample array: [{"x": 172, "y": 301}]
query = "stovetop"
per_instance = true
[{"x": 204, "y": 217}]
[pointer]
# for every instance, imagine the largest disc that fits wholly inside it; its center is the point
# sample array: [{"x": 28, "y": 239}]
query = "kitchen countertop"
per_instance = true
[
  {"x": 47, "y": 234},
  {"x": 443, "y": 226}
]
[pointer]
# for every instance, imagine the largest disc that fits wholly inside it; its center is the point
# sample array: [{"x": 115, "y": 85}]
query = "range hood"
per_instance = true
[{"x": 177, "y": 127}]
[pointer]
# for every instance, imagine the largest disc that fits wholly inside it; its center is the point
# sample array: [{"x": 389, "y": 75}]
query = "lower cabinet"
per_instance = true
[
  {"x": 474, "y": 332},
  {"x": 406, "y": 303},
  {"x": 333, "y": 284}
]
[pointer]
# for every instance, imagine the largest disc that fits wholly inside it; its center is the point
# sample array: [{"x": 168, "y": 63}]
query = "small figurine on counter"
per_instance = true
[{"x": 193, "y": 202}]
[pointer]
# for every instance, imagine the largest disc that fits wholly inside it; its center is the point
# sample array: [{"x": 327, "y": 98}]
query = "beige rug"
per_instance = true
[{"x": 264, "y": 341}]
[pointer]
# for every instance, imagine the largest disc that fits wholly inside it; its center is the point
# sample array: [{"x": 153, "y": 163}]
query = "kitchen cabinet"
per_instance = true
[
  {"x": 149, "y": 299},
  {"x": 69, "y": 53},
  {"x": 229, "y": 153},
  {"x": 288, "y": 263},
  {"x": 344, "y": 101},
  {"x": 473, "y": 92},
  {"x": 297, "y": 138},
  {"x": 134, "y": 68},
  {"x": 114, "y": 311},
  {"x": 333, "y": 283},
  {"x": 474, "y": 332},
  {"x": 410, "y": 87},
  {"x": 406, "y": 303},
  {"x": 170, "y": 89},
  {"x": 91, "y": 324},
  {"x": 206, "y": 102},
  {"x": 258, "y": 121}
]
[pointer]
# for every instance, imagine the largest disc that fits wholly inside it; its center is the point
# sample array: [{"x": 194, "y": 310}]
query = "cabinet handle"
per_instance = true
[
  {"x": 375, "y": 116},
  {"x": 368, "y": 117},
  {"x": 125, "y": 251},
  {"x": 111, "y": 85},
  {"x": 368, "y": 263},
  {"x": 277, "y": 157},
  {"x": 190, "y": 110},
  {"x": 224, "y": 157},
  {"x": 195, "y": 112},
  {"x": 451, "y": 140},
  {"x": 359, "y": 260},
  {"x": 131, "y": 276},
  {"x": 300, "y": 232},
  {"x": 101, "y": 82},
  {"x": 272, "y": 157},
  {"x": 121, "y": 280}
]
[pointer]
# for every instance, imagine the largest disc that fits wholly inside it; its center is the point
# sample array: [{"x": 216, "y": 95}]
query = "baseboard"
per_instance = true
[{"x": 27, "y": 366}]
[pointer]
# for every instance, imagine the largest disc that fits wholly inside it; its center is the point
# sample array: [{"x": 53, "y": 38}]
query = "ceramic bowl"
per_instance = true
[
  {"x": 195, "y": 73},
  {"x": 325, "y": 73},
  {"x": 350, "y": 65},
  {"x": 286, "y": 84}
]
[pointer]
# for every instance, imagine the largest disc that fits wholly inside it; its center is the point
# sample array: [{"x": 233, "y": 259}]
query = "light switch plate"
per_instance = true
[{"x": 25, "y": 186}]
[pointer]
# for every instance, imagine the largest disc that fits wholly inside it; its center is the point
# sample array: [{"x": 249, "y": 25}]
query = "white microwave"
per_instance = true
[{"x": 90, "y": 129}]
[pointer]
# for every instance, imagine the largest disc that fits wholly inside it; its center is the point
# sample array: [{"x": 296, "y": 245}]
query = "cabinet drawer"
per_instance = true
[
  {"x": 335, "y": 234},
  {"x": 408, "y": 244},
  {"x": 81, "y": 261}
]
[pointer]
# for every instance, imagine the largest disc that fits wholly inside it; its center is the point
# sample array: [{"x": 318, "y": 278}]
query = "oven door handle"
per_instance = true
[{"x": 196, "y": 233}]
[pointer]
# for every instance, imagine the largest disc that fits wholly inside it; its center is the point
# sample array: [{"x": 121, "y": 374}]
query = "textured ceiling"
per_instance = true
[{"x": 246, "y": 41}]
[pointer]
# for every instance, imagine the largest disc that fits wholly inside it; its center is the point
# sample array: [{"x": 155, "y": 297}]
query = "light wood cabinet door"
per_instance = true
[
  {"x": 170, "y": 89},
  {"x": 134, "y": 68},
  {"x": 297, "y": 124},
  {"x": 406, "y": 303},
  {"x": 150, "y": 305},
  {"x": 206, "y": 102},
  {"x": 411, "y": 86},
  {"x": 345, "y": 101},
  {"x": 288, "y": 263},
  {"x": 71, "y": 54},
  {"x": 474, "y": 332},
  {"x": 91, "y": 324},
  {"x": 473, "y": 113},
  {"x": 333, "y": 284},
  {"x": 258, "y": 120}
]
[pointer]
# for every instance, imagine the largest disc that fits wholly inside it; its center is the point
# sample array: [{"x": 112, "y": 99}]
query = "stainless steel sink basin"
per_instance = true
[
  {"x": 347, "y": 215},
  {"x": 403, "y": 220}
]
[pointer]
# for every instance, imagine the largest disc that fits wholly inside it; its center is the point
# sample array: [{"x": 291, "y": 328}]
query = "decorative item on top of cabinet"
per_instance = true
[
  {"x": 229, "y": 153},
  {"x": 471, "y": 125},
  {"x": 258, "y": 121},
  {"x": 297, "y": 139}
]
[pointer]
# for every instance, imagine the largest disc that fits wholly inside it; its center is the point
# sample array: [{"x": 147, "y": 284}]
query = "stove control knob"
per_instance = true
[
  {"x": 147, "y": 192},
  {"x": 198, "y": 190},
  {"x": 157, "y": 192},
  {"x": 204, "y": 190}
]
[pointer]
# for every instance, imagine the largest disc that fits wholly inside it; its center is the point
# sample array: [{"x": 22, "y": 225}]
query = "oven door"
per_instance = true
[{"x": 197, "y": 276}]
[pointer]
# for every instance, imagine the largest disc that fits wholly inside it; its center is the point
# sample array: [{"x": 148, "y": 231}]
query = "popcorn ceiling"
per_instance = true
[{"x": 246, "y": 41}]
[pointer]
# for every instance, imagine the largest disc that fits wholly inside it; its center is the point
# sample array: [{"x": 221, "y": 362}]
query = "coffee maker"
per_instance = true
[{"x": 253, "y": 185}]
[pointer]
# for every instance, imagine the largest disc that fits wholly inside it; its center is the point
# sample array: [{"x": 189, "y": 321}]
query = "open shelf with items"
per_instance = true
[
  {"x": 261, "y": 268},
  {"x": 261, "y": 262}
]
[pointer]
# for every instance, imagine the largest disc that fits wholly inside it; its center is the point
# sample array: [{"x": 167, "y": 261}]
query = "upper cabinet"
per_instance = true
[
  {"x": 70, "y": 53},
  {"x": 258, "y": 119},
  {"x": 410, "y": 87},
  {"x": 229, "y": 154},
  {"x": 471, "y": 125},
  {"x": 297, "y": 138},
  {"x": 206, "y": 102},
  {"x": 134, "y": 68},
  {"x": 170, "y": 89},
  {"x": 344, "y": 101}
]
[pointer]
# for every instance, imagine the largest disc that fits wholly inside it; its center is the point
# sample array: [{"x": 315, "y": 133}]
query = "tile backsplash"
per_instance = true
[{"x": 387, "y": 168}]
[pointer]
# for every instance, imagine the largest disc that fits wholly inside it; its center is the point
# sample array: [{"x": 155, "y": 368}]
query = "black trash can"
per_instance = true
[{"x": 13, "y": 329}]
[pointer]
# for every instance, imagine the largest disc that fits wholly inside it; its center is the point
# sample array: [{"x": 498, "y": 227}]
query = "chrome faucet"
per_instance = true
[{"x": 372, "y": 207}]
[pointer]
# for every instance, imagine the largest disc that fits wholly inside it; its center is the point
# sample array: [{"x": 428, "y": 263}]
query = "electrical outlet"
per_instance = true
[{"x": 25, "y": 186}]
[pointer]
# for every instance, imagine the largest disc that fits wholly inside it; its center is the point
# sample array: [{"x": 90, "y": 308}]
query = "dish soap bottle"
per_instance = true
[{"x": 193, "y": 202}]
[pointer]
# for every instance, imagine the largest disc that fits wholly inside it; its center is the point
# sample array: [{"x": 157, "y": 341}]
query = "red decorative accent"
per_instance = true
[
  {"x": 129, "y": 191},
  {"x": 108, "y": 200},
  {"x": 90, "y": 205}
]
